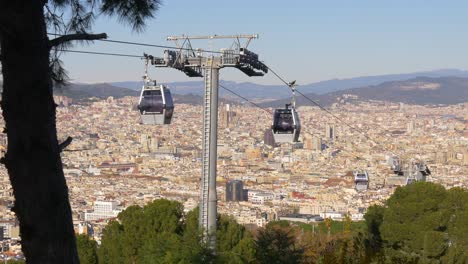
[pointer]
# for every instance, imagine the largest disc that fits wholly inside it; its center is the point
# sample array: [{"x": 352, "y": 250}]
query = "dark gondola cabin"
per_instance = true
[
  {"x": 286, "y": 125},
  {"x": 361, "y": 181},
  {"x": 155, "y": 105}
]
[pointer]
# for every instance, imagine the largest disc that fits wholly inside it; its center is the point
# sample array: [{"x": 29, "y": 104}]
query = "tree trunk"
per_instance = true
[{"x": 33, "y": 156}]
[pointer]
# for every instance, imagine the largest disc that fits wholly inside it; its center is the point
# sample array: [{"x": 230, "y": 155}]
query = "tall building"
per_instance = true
[
  {"x": 268, "y": 138},
  {"x": 9, "y": 229},
  {"x": 316, "y": 143},
  {"x": 235, "y": 191},
  {"x": 227, "y": 117},
  {"x": 144, "y": 140},
  {"x": 410, "y": 127},
  {"x": 103, "y": 210},
  {"x": 330, "y": 131},
  {"x": 307, "y": 141},
  {"x": 313, "y": 143}
]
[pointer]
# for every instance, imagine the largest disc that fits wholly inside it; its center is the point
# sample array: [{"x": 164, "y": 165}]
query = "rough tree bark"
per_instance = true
[{"x": 33, "y": 155}]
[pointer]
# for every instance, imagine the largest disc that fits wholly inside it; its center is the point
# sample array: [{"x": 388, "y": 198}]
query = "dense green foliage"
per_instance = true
[
  {"x": 420, "y": 223},
  {"x": 161, "y": 233},
  {"x": 277, "y": 244},
  {"x": 87, "y": 249},
  {"x": 15, "y": 262},
  {"x": 424, "y": 223}
]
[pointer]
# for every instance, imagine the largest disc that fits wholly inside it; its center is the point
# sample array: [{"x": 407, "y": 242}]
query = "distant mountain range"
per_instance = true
[
  {"x": 247, "y": 89},
  {"x": 432, "y": 87},
  {"x": 420, "y": 90},
  {"x": 344, "y": 84},
  {"x": 99, "y": 90},
  {"x": 83, "y": 92},
  {"x": 260, "y": 92}
]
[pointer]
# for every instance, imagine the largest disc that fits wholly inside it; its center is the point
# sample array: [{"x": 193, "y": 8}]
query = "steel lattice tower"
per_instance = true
[{"x": 194, "y": 64}]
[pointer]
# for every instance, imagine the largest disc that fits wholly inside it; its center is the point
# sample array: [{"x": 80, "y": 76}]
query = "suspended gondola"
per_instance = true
[
  {"x": 155, "y": 104},
  {"x": 286, "y": 125},
  {"x": 361, "y": 181},
  {"x": 413, "y": 171},
  {"x": 423, "y": 169},
  {"x": 395, "y": 165}
]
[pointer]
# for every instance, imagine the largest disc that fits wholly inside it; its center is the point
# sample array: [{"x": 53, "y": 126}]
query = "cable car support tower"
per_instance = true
[{"x": 194, "y": 63}]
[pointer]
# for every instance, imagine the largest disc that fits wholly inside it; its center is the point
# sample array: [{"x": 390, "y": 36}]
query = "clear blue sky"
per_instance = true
[{"x": 306, "y": 40}]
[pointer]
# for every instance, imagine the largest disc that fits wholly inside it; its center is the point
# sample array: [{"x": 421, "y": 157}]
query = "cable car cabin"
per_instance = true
[
  {"x": 423, "y": 169},
  {"x": 361, "y": 181},
  {"x": 410, "y": 180},
  {"x": 155, "y": 105},
  {"x": 286, "y": 125},
  {"x": 396, "y": 166}
]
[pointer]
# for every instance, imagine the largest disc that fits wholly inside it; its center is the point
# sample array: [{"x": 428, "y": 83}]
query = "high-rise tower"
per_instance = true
[
  {"x": 330, "y": 132},
  {"x": 234, "y": 191}
]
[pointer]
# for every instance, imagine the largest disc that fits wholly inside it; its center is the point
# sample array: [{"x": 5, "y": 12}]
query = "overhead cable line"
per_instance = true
[
  {"x": 336, "y": 117},
  {"x": 399, "y": 153},
  {"x": 102, "y": 53},
  {"x": 290, "y": 85},
  {"x": 152, "y": 45},
  {"x": 238, "y": 95},
  {"x": 330, "y": 113},
  {"x": 242, "y": 97},
  {"x": 321, "y": 107},
  {"x": 136, "y": 56},
  {"x": 143, "y": 44}
]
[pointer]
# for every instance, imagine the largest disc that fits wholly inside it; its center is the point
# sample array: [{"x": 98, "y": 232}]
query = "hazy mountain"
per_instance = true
[
  {"x": 104, "y": 90},
  {"x": 100, "y": 90},
  {"x": 324, "y": 100},
  {"x": 250, "y": 90},
  {"x": 194, "y": 99},
  {"x": 417, "y": 90},
  {"x": 420, "y": 90},
  {"x": 343, "y": 84},
  {"x": 265, "y": 92},
  {"x": 191, "y": 99}
]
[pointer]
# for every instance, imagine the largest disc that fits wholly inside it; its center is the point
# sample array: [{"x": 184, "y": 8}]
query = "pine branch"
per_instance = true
[
  {"x": 79, "y": 36},
  {"x": 65, "y": 143}
]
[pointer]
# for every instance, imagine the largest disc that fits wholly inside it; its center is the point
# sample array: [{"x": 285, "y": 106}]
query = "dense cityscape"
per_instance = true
[
  {"x": 196, "y": 132},
  {"x": 114, "y": 162}
]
